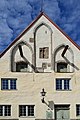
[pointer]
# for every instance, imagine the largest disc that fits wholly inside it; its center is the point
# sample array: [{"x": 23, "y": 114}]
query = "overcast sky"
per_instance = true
[{"x": 16, "y": 15}]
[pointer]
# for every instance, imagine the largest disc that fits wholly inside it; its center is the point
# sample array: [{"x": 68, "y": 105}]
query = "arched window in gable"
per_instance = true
[
  {"x": 22, "y": 58},
  {"x": 63, "y": 59}
]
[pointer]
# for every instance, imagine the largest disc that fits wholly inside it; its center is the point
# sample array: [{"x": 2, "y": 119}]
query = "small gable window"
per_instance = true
[
  {"x": 21, "y": 66},
  {"x": 62, "y": 67},
  {"x": 44, "y": 52}
]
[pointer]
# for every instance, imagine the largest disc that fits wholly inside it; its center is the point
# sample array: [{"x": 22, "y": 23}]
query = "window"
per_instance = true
[
  {"x": 61, "y": 67},
  {"x": 21, "y": 66},
  {"x": 8, "y": 84},
  {"x": 5, "y": 110},
  {"x": 44, "y": 52},
  {"x": 78, "y": 109},
  {"x": 26, "y": 110},
  {"x": 62, "y": 84}
]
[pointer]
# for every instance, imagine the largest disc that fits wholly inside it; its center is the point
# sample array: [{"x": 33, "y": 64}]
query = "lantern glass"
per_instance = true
[{"x": 43, "y": 93}]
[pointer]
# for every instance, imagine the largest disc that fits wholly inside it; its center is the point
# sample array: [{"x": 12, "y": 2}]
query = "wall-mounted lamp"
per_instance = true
[{"x": 43, "y": 93}]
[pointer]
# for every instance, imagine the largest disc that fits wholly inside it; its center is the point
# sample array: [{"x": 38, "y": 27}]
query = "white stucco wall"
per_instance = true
[{"x": 29, "y": 85}]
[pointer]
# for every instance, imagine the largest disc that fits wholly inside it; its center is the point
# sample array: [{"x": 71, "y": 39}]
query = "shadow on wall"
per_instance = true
[
  {"x": 50, "y": 104},
  {"x": 72, "y": 64},
  {"x": 65, "y": 49},
  {"x": 31, "y": 65}
]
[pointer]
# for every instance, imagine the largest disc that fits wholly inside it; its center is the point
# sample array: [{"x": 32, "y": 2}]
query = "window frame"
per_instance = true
[
  {"x": 42, "y": 55},
  {"x": 4, "y": 112},
  {"x": 19, "y": 63},
  {"x": 26, "y": 114},
  {"x": 63, "y": 84},
  {"x": 62, "y": 63},
  {"x": 9, "y": 86},
  {"x": 77, "y": 109}
]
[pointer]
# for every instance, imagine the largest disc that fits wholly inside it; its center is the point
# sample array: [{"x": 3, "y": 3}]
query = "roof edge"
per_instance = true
[
  {"x": 32, "y": 23},
  {"x": 62, "y": 31},
  {"x": 21, "y": 34}
]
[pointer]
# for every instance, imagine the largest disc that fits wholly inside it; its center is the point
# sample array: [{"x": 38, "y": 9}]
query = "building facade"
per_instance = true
[{"x": 40, "y": 74}]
